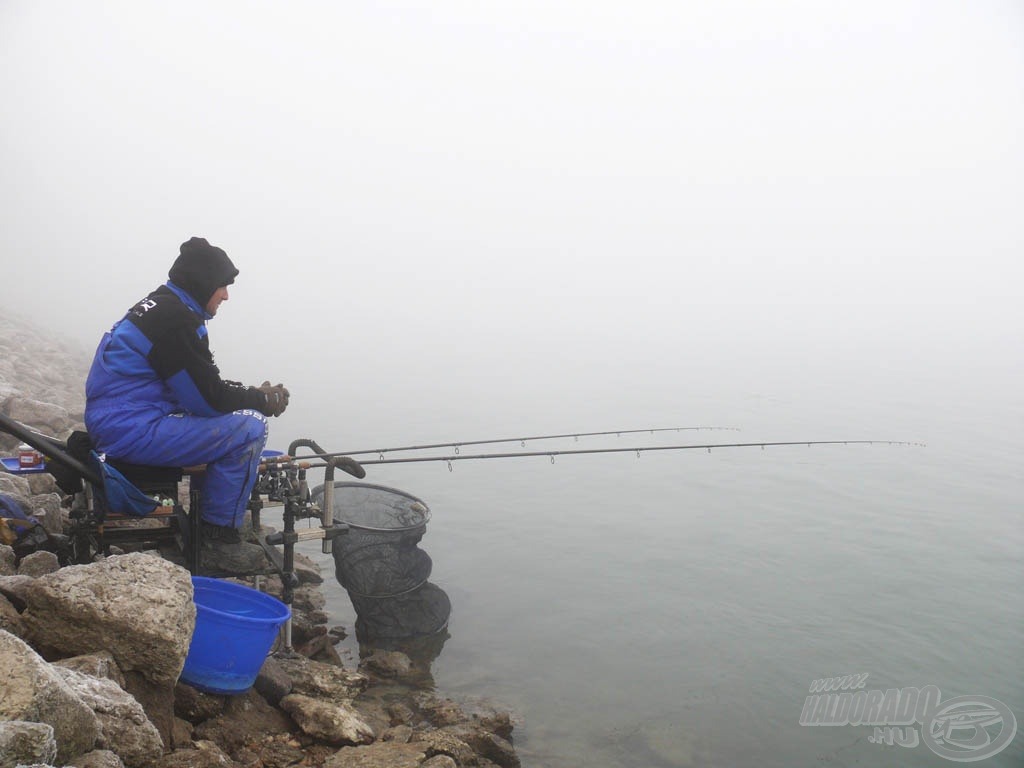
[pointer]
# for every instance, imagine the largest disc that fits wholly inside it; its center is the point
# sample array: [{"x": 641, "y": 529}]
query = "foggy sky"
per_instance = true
[{"x": 473, "y": 183}]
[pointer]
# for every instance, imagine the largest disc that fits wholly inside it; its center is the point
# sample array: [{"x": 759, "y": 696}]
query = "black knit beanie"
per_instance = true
[{"x": 201, "y": 269}]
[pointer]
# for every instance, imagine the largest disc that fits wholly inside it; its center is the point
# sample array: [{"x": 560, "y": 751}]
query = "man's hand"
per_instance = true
[{"x": 276, "y": 397}]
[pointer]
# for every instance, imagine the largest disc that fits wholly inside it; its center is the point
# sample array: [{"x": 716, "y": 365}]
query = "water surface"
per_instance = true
[{"x": 673, "y": 609}]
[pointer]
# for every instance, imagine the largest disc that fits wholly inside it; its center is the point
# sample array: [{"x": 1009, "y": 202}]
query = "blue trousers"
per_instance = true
[{"x": 229, "y": 445}]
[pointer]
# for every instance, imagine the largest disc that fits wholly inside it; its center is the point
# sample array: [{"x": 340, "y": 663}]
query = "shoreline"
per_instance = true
[{"x": 306, "y": 708}]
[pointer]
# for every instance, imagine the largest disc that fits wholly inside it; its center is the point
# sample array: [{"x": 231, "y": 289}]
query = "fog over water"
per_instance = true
[{"x": 461, "y": 220}]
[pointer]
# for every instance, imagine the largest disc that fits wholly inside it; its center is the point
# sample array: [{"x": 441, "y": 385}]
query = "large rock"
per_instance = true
[
  {"x": 43, "y": 483},
  {"x": 387, "y": 664},
  {"x": 14, "y": 588},
  {"x": 204, "y": 755},
  {"x": 308, "y": 599},
  {"x": 38, "y": 564},
  {"x": 246, "y": 720},
  {"x": 443, "y": 743},
  {"x": 10, "y": 619},
  {"x": 273, "y": 682},
  {"x": 383, "y": 755},
  {"x": 99, "y": 664},
  {"x": 23, "y": 743},
  {"x": 194, "y": 705},
  {"x": 124, "y": 727},
  {"x": 7, "y": 390},
  {"x": 157, "y": 699},
  {"x": 137, "y": 606},
  {"x": 16, "y": 486},
  {"x": 322, "y": 681},
  {"x": 486, "y": 744},
  {"x": 276, "y": 753},
  {"x": 47, "y": 510},
  {"x": 33, "y": 690},
  {"x": 439, "y": 711},
  {"x": 98, "y": 758},
  {"x": 46, "y": 417},
  {"x": 181, "y": 734},
  {"x": 7, "y": 561},
  {"x": 323, "y": 720}
]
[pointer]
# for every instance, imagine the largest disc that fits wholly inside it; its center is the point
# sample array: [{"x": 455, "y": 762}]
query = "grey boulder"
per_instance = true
[
  {"x": 137, "y": 606},
  {"x": 33, "y": 690}
]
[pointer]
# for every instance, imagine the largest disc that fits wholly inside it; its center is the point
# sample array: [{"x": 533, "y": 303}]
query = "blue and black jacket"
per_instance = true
[{"x": 157, "y": 361}]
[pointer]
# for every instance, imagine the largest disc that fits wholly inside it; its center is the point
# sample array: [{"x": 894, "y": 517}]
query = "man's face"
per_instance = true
[{"x": 221, "y": 294}]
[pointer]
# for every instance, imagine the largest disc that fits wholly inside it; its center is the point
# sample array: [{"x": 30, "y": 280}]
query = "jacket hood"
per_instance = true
[{"x": 201, "y": 269}]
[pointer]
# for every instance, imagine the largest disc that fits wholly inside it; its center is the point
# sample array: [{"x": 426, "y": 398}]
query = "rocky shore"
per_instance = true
[{"x": 92, "y": 653}]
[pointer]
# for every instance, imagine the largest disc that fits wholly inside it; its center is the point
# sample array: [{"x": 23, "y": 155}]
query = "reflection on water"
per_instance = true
[
  {"x": 651, "y": 744},
  {"x": 422, "y": 650}
]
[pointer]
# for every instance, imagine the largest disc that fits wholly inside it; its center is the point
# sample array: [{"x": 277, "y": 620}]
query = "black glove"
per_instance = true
[{"x": 275, "y": 397}]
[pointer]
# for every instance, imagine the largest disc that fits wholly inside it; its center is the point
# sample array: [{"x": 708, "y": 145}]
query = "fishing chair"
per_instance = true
[
  {"x": 108, "y": 496},
  {"x": 133, "y": 507},
  {"x": 114, "y": 503}
]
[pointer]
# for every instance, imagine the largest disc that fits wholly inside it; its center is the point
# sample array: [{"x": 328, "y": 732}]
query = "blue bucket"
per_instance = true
[{"x": 235, "y": 629}]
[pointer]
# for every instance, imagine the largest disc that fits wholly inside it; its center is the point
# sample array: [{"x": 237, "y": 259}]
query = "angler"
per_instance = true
[{"x": 154, "y": 396}]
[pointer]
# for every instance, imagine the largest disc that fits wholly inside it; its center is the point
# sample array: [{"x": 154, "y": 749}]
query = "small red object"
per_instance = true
[{"x": 28, "y": 457}]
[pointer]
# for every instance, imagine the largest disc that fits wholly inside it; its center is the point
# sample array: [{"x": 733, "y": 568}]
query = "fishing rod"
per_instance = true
[
  {"x": 457, "y": 444},
  {"x": 638, "y": 450}
]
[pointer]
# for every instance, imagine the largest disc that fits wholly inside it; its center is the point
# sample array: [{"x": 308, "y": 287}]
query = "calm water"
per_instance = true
[{"x": 672, "y": 610}]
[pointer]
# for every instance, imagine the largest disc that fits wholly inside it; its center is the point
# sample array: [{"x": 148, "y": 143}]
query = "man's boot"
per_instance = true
[{"x": 223, "y": 551}]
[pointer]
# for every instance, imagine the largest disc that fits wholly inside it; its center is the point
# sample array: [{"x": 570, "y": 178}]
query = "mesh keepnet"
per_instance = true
[
  {"x": 377, "y": 508},
  {"x": 380, "y": 564},
  {"x": 420, "y": 613}
]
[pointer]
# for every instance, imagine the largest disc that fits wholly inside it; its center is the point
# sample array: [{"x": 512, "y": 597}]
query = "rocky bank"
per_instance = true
[{"x": 91, "y": 654}]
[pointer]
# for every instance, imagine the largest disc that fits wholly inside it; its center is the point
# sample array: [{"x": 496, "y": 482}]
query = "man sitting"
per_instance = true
[{"x": 154, "y": 396}]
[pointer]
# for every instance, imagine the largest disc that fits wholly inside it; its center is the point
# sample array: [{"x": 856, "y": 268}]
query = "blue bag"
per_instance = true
[
  {"x": 20, "y": 530},
  {"x": 118, "y": 494}
]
